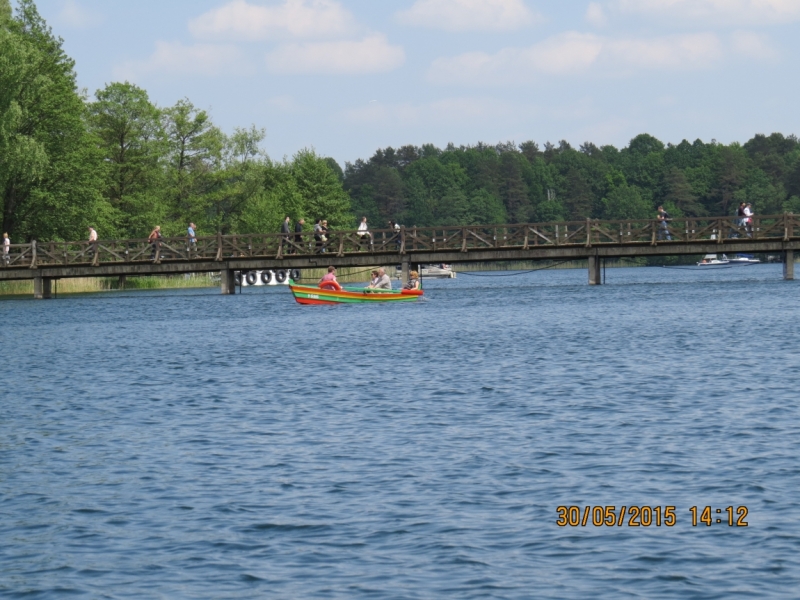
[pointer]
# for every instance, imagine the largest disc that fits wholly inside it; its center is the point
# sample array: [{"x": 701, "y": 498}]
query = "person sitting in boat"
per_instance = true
[
  {"x": 381, "y": 282},
  {"x": 329, "y": 276},
  {"x": 328, "y": 281},
  {"x": 413, "y": 281}
]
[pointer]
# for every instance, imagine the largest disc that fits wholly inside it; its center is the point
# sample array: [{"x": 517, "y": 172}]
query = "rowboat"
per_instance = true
[{"x": 307, "y": 294}]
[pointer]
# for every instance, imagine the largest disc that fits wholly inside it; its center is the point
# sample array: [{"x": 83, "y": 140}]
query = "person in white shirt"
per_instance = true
[
  {"x": 6, "y": 247},
  {"x": 748, "y": 219},
  {"x": 363, "y": 231},
  {"x": 92, "y": 241}
]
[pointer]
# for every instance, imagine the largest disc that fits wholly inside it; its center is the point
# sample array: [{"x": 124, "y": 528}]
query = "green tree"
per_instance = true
[
  {"x": 233, "y": 181},
  {"x": 625, "y": 202},
  {"x": 128, "y": 129},
  {"x": 321, "y": 191},
  {"x": 49, "y": 167},
  {"x": 195, "y": 148}
]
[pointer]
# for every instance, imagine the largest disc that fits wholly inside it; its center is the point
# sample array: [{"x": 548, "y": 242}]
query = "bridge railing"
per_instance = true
[
  {"x": 589, "y": 232},
  {"x": 19, "y": 255}
]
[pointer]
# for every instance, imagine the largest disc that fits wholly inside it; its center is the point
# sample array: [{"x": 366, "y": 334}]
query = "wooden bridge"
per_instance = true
[{"x": 591, "y": 240}]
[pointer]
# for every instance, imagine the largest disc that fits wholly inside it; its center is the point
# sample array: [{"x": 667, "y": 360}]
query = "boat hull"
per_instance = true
[{"x": 304, "y": 294}]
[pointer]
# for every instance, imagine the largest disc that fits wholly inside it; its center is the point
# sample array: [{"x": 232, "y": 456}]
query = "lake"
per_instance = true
[{"x": 185, "y": 444}]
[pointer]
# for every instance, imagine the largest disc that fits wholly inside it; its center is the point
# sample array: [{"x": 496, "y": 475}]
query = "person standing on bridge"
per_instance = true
[
  {"x": 298, "y": 233},
  {"x": 92, "y": 241},
  {"x": 190, "y": 232},
  {"x": 363, "y": 231},
  {"x": 155, "y": 241},
  {"x": 6, "y": 248},
  {"x": 748, "y": 219},
  {"x": 663, "y": 224},
  {"x": 285, "y": 232}
]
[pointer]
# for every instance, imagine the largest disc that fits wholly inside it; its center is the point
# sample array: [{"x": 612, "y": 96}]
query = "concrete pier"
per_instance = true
[
  {"x": 42, "y": 288},
  {"x": 405, "y": 270},
  {"x": 227, "y": 281},
  {"x": 788, "y": 265},
  {"x": 595, "y": 270}
]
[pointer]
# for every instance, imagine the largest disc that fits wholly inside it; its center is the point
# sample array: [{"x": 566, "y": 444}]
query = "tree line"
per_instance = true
[
  {"x": 122, "y": 164},
  {"x": 509, "y": 183}
]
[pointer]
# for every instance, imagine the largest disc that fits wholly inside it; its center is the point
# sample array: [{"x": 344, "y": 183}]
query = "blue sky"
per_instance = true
[{"x": 350, "y": 76}]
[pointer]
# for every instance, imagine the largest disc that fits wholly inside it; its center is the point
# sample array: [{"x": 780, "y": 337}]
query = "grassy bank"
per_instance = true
[{"x": 84, "y": 285}]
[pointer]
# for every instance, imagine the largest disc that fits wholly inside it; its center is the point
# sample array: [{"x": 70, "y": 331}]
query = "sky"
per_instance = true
[{"x": 347, "y": 77}]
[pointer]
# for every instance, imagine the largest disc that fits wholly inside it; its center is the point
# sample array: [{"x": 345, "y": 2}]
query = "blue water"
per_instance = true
[{"x": 189, "y": 445}]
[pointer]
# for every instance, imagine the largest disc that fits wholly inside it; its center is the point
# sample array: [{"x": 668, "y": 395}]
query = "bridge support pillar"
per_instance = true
[
  {"x": 42, "y": 288},
  {"x": 788, "y": 265},
  {"x": 405, "y": 270},
  {"x": 595, "y": 271},
  {"x": 227, "y": 280}
]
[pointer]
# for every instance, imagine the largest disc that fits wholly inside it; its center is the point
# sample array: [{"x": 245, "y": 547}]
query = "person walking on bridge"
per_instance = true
[
  {"x": 92, "y": 241},
  {"x": 6, "y": 248},
  {"x": 155, "y": 241},
  {"x": 663, "y": 224},
  {"x": 192, "y": 235},
  {"x": 298, "y": 233},
  {"x": 285, "y": 233}
]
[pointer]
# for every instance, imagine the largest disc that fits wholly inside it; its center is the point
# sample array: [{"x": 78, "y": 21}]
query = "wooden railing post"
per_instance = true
[
  {"x": 33, "y": 255},
  {"x": 218, "y": 257},
  {"x": 588, "y": 232},
  {"x": 402, "y": 239}
]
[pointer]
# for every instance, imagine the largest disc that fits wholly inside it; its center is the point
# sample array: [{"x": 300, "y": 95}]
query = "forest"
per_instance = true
[{"x": 119, "y": 162}]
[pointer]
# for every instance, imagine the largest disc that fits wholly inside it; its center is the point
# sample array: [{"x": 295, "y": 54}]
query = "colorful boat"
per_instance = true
[{"x": 307, "y": 294}]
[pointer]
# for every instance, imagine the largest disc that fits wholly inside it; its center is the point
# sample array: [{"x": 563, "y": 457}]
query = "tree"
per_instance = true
[
  {"x": 321, "y": 191},
  {"x": 679, "y": 193},
  {"x": 194, "y": 152},
  {"x": 625, "y": 202},
  {"x": 128, "y": 130},
  {"x": 49, "y": 167}
]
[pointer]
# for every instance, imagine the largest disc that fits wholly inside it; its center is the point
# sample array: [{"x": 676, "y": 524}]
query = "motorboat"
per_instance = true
[
  {"x": 712, "y": 260},
  {"x": 744, "y": 259},
  {"x": 441, "y": 271}
]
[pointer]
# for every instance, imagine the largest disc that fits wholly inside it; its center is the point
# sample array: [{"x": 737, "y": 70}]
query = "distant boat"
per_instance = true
[
  {"x": 744, "y": 259},
  {"x": 437, "y": 272},
  {"x": 711, "y": 260}
]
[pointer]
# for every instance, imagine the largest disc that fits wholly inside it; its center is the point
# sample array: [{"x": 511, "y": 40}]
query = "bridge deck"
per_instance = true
[{"x": 589, "y": 239}]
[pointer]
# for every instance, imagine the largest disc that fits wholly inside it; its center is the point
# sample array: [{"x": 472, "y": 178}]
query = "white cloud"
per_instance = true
[
  {"x": 716, "y": 12},
  {"x": 309, "y": 19},
  {"x": 445, "y": 110},
  {"x": 753, "y": 45},
  {"x": 469, "y": 15},
  {"x": 573, "y": 52},
  {"x": 595, "y": 15},
  {"x": 177, "y": 59},
  {"x": 373, "y": 54},
  {"x": 76, "y": 16}
]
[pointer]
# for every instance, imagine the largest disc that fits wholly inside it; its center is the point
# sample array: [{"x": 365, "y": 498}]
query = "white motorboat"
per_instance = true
[
  {"x": 437, "y": 272},
  {"x": 744, "y": 259},
  {"x": 712, "y": 260}
]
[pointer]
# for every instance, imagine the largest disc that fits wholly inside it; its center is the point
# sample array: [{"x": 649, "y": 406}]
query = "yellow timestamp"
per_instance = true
[{"x": 647, "y": 516}]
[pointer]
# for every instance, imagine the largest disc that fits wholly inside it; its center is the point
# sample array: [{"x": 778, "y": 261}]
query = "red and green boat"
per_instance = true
[{"x": 330, "y": 294}]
